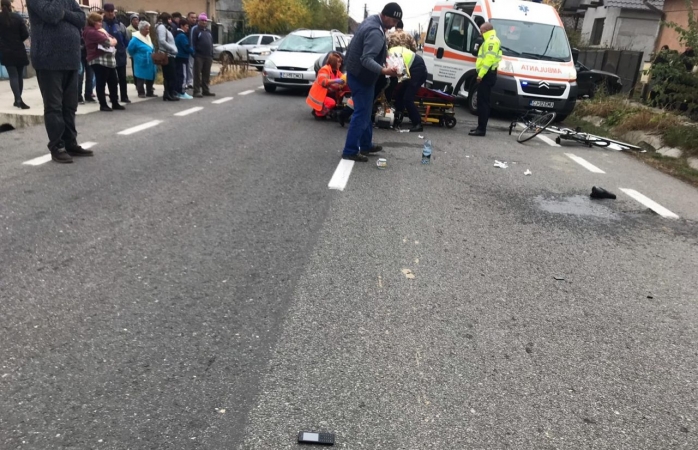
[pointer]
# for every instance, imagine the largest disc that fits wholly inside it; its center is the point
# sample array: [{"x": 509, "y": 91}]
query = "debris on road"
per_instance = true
[
  {"x": 528, "y": 172},
  {"x": 382, "y": 163},
  {"x": 500, "y": 164},
  {"x": 529, "y": 348},
  {"x": 312, "y": 437},
  {"x": 408, "y": 274},
  {"x": 421, "y": 137},
  {"x": 601, "y": 193},
  {"x": 559, "y": 278}
]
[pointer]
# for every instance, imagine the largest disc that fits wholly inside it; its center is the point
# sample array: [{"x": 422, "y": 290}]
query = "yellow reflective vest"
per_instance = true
[
  {"x": 490, "y": 54},
  {"x": 407, "y": 56}
]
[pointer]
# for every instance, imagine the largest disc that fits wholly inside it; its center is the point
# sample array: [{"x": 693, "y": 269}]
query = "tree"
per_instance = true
[{"x": 276, "y": 16}]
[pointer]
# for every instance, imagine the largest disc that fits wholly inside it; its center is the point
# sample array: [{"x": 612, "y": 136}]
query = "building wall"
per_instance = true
[
  {"x": 624, "y": 29},
  {"x": 677, "y": 12},
  {"x": 170, "y": 6}
]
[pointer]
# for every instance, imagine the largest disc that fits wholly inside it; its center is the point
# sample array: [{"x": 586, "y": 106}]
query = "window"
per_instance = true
[
  {"x": 249, "y": 40},
  {"x": 266, "y": 40},
  {"x": 433, "y": 28},
  {"x": 306, "y": 44},
  {"x": 597, "y": 32},
  {"x": 532, "y": 40},
  {"x": 458, "y": 32}
]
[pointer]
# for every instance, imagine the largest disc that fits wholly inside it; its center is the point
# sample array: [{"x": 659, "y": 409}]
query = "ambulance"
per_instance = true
[{"x": 537, "y": 69}]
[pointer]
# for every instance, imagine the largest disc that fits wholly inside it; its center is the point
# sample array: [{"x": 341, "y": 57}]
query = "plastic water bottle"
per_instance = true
[{"x": 426, "y": 153}]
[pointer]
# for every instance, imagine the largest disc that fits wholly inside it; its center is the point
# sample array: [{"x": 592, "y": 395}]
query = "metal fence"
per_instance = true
[{"x": 624, "y": 63}]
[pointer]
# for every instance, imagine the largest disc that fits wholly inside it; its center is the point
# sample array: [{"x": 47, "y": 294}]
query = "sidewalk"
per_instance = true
[{"x": 19, "y": 118}]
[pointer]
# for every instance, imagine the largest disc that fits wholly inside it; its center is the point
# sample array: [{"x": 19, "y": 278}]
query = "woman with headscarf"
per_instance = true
[
  {"x": 101, "y": 56},
  {"x": 13, "y": 54},
  {"x": 141, "y": 50},
  {"x": 166, "y": 45}
]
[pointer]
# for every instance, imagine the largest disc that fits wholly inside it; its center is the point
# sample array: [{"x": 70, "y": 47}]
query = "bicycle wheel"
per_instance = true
[{"x": 535, "y": 126}]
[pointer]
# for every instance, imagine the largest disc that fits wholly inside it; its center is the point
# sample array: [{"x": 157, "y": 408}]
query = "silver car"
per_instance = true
[
  {"x": 258, "y": 55},
  {"x": 292, "y": 65}
]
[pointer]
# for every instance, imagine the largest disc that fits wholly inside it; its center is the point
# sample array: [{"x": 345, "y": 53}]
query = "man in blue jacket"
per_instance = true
[
  {"x": 118, "y": 31},
  {"x": 202, "y": 43},
  {"x": 365, "y": 61},
  {"x": 55, "y": 54}
]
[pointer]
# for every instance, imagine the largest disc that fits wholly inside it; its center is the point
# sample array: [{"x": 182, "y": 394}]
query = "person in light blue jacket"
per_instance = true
[
  {"x": 141, "y": 49},
  {"x": 184, "y": 51}
]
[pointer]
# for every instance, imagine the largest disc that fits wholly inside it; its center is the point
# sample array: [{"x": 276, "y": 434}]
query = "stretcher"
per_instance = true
[{"x": 435, "y": 107}]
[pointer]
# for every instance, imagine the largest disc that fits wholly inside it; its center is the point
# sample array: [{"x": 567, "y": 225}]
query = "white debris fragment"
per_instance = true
[
  {"x": 528, "y": 172},
  {"x": 500, "y": 164},
  {"x": 421, "y": 137}
]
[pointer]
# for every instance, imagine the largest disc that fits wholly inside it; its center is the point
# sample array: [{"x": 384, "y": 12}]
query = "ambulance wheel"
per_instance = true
[
  {"x": 472, "y": 99},
  {"x": 450, "y": 122}
]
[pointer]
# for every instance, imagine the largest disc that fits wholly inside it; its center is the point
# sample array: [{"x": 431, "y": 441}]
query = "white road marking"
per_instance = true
[
  {"x": 186, "y": 112},
  {"x": 38, "y": 161},
  {"x": 584, "y": 163},
  {"x": 341, "y": 175},
  {"x": 46, "y": 158},
  {"x": 261, "y": 87},
  {"x": 223, "y": 100},
  {"x": 246, "y": 92},
  {"x": 651, "y": 204},
  {"x": 141, "y": 127},
  {"x": 548, "y": 141}
]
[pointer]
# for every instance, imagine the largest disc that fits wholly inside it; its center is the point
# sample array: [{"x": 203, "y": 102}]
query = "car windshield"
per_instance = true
[
  {"x": 305, "y": 44},
  {"x": 532, "y": 40}
]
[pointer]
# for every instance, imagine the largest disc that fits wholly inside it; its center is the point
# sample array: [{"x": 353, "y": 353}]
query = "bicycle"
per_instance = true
[{"x": 534, "y": 122}]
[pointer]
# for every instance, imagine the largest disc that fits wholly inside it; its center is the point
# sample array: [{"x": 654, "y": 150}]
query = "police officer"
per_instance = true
[
  {"x": 414, "y": 77},
  {"x": 488, "y": 58}
]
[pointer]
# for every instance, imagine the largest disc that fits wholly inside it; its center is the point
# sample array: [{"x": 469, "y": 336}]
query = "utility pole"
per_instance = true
[
  {"x": 365, "y": 11},
  {"x": 348, "y": 18}
]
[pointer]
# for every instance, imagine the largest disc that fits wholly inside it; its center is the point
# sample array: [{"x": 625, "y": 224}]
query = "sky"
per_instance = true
[{"x": 413, "y": 11}]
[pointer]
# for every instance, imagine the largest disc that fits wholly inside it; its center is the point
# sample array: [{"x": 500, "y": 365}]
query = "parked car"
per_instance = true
[
  {"x": 589, "y": 81},
  {"x": 258, "y": 55},
  {"x": 292, "y": 65},
  {"x": 238, "y": 50}
]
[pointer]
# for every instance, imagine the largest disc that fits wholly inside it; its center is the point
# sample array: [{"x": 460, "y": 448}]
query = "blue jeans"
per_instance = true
[{"x": 360, "y": 133}]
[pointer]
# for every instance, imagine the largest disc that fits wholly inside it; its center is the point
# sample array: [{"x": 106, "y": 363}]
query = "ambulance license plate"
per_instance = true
[{"x": 541, "y": 104}]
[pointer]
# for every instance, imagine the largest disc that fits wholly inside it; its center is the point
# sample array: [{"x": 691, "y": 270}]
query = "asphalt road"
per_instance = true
[{"x": 197, "y": 285}]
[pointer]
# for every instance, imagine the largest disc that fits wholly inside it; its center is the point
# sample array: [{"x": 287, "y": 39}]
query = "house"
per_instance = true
[
  {"x": 229, "y": 13},
  {"x": 674, "y": 11},
  {"x": 622, "y": 24}
]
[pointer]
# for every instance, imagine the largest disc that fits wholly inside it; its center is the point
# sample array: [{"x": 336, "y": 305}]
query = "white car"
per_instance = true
[
  {"x": 238, "y": 50},
  {"x": 292, "y": 65},
  {"x": 258, "y": 55}
]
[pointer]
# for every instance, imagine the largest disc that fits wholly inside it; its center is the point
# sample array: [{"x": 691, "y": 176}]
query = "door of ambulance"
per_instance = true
[{"x": 454, "y": 62}]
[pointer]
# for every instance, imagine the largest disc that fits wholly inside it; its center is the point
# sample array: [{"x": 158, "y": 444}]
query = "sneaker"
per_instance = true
[
  {"x": 601, "y": 193},
  {"x": 105, "y": 108},
  {"x": 117, "y": 107},
  {"x": 417, "y": 129},
  {"x": 357, "y": 157},
  {"x": 372, "y": 150},
  {"x": 186, "y": 96},
  {"x": 60, "y": 155},
  {"x": 76, "y": 150},
  {"x": 197, "y": 95},
  {"x": 209, "y": 94}
]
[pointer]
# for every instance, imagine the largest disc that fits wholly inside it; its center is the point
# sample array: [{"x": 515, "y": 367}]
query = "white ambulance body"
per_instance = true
[{"x": 537, "y": 70}]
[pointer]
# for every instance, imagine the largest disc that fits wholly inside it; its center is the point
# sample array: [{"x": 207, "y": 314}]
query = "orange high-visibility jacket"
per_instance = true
[{"x": 318, "y": 92}]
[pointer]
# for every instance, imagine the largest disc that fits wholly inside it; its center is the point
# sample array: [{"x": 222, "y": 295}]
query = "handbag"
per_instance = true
[{"x": 160, "y": 59}]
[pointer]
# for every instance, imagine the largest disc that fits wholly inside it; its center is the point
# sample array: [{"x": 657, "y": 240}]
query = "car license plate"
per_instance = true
[
  {"x": 541, "y": 104},
  {"x": 296, "y": 76}
]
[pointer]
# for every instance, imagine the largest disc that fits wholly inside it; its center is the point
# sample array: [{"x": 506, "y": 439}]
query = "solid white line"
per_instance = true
[
  {"x": 46, "y": 158},
  {"x": 261, "y": 87},
  {"x": 651, "y": 204},
  {"x": 223, "y": 100},
  {"x": 584, "y": 163},
  {"x": 186, "y": 112},
  {"x": 548, "y": 141},
  {"x": 38, "y": 161},
  {"x": 341, "y": 175},
  {"x": 246, "y": 92},
  {"x": 142, "y": 127}
]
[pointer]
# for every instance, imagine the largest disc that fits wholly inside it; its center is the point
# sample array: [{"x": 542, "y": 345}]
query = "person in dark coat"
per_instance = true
[
  {"x": 13, "y": 54},
  {"x": 118, "y": 31},
  {"x": 55, "y": 54}
]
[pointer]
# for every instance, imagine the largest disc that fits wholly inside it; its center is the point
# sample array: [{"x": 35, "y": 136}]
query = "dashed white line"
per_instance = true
[
  {"x": 141, "y": 127},
  {"x": 341, "y": 175},
  {"x": 246, "y": 92},
  {"x": 651, "y": 204},
  {"x": 223, "y": 100},
  {"x": 46, "y": 158},
  {"x": 584, "y": 163},
  {"x": 186, "y": 112},
  {"x": 548, "y": 141}
]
